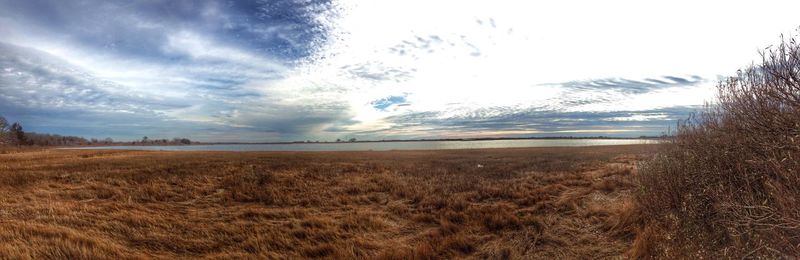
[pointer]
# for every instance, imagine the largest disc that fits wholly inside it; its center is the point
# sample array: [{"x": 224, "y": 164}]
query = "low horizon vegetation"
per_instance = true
[{"x": 14, "y": 135}]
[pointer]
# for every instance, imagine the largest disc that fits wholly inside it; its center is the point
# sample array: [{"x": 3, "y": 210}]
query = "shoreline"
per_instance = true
[
  {"x": 652, "y": 138},
  {"x": 365, "y": 146}
]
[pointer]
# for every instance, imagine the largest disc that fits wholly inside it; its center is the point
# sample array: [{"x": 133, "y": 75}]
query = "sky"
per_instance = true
[{"x": 260, "y": 71}]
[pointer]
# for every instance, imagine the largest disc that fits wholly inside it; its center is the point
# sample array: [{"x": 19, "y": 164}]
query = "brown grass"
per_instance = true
[{"x": 521, "y": 203}]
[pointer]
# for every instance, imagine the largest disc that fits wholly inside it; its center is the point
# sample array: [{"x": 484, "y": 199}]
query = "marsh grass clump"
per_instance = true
[
  {"x": 728, "y": 183},
  {"x": 252, "y": 185}
]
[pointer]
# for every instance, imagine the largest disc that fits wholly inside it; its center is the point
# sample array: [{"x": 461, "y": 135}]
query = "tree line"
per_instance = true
[
  {"x": 176, "y": 140},
  {"x": 14, "y": 134}
]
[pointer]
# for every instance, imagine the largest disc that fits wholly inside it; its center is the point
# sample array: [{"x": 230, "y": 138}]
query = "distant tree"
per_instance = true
[
  {"x": 177, "y": 140},
  {"x": 144, "y": 139},
  {"x": 17, "y": 134},
  {"x": 338, "y": 140},
  {"x": 49, "y": 139},
  {"x": 352, "y": 140},
  {"x": 108, "y": 140}
]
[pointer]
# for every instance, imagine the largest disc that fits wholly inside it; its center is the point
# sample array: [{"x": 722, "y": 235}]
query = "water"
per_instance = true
[{"x": 385, "y": 146}]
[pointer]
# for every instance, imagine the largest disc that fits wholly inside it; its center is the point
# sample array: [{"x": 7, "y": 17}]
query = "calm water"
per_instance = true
[{"x": 384, "y": 146}]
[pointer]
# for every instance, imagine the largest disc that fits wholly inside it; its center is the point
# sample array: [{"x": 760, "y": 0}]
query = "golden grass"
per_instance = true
[{"x": 494, "y": 203}]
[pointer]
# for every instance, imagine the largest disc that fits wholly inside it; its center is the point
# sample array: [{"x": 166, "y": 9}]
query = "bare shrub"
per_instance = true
[{"x": 728, "y": 182}]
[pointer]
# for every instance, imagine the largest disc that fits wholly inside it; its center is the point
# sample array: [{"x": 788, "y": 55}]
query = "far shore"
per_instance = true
[
  {"x": 377, "y": 141},
  {"x": 377, "y": 145}
]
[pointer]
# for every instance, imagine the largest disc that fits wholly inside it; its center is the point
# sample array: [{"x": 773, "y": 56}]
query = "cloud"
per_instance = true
[
  {"x": 170, "y": 47},
  {"x": 630, "y": 86},
  {"x": 201, "y": 49},
  {"x": 49, "y": 94},
  {"x": 35, "y": 79},
  {"x": 534, "y": 122},
  {"x": 279, "y": 28},
  {"x": 286, "y": 70},
  {"x": 185, "y": 64}
]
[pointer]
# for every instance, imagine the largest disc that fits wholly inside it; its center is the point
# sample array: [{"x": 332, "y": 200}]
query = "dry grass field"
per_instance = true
[{"x": 495, "y": 203}]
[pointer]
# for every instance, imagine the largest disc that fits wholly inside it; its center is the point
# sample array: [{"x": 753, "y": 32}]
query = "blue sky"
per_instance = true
[{"x": 322, "y": 70}]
